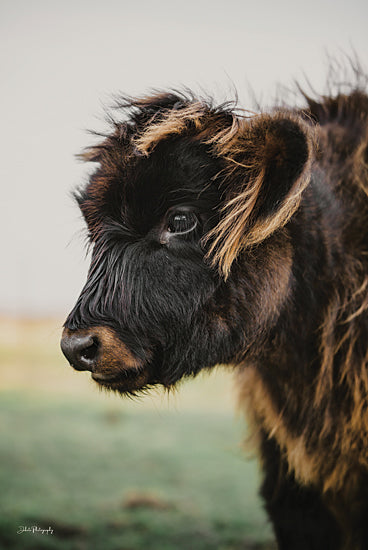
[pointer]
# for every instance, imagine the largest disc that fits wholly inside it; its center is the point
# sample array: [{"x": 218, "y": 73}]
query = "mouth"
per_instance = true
[{"x": 125, "y": 381}]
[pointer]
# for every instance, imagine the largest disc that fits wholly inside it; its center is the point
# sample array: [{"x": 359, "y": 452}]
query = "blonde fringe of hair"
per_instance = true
[{"x": 237, "y": 230}]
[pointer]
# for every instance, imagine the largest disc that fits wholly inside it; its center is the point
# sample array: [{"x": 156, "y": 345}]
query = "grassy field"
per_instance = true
[{"x": 103, "y": 473}]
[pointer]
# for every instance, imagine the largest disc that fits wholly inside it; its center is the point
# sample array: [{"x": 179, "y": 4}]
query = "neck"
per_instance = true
[{"x": 310, "y": 367}]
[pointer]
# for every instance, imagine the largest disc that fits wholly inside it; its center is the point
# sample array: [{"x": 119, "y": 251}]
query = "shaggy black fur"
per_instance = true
[{"x": 224, "y": 239}]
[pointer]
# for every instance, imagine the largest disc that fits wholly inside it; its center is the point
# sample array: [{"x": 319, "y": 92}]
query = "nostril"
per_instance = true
[
  {"x": 81, "y": 350},
  {"x": 90, "y": 353}
]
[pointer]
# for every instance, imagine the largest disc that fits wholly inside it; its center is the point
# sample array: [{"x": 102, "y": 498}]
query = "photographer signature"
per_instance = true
[{"x": 35, "y": 529}]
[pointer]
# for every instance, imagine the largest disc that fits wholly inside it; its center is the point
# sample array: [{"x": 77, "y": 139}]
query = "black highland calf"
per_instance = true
[{"x": 222, "y": 238}]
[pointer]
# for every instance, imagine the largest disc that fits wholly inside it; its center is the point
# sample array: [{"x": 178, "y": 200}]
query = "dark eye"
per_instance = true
[{"x": 182, "y": 222}]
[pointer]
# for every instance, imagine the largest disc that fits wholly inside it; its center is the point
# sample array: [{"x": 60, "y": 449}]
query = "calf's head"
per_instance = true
[{"x": 191, "y": 261}]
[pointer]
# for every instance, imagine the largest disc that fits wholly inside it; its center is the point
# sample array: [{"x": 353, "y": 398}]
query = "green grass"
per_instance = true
[{"x": 107, "y": 473}]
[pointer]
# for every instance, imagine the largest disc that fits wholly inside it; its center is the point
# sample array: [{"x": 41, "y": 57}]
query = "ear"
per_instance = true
[{"x": 267, "y": 166}]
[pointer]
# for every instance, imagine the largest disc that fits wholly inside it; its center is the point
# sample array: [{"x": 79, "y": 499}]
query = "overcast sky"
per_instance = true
[{"x": 61, "y": 62}]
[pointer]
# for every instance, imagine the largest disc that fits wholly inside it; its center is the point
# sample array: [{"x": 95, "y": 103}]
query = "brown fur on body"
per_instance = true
[
  {"x": 321, "y": 425},
  {"x": 272, "y": 277}
]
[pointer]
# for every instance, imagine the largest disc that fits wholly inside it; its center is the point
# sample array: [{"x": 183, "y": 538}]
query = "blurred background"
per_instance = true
[{"x": 101, "y": 472}]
